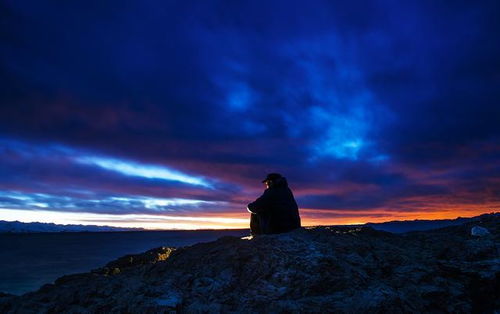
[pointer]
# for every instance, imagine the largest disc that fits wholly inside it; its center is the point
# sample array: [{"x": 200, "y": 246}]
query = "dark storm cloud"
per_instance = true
[
  {"x": 394, "y": 100},
  {"x": 363, "y": 200}
]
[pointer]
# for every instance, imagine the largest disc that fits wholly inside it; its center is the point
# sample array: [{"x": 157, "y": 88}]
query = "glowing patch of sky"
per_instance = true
[
  {"x": 341, "y": 107},
  {"x": 130, "y": 168},
  {"x": 344, "y": 134},
  {"x": 239, "y": 98},
  {"x": 127, "y": 220}
]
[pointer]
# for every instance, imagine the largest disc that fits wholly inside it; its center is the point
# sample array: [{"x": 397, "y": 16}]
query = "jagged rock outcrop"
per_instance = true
[{"x": 321, "y": 269}]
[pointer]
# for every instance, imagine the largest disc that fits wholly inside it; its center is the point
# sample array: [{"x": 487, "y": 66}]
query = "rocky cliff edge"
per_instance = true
[{"x": 320, "y": 269}]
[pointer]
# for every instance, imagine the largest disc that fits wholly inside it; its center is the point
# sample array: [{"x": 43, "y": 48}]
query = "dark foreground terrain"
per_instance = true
[
  {"x": 322, "y": 269},
  {"x": 30, "y": 260}
]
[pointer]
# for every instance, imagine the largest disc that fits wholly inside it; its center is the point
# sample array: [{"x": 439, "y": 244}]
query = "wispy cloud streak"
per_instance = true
[{"x": 141, "y": 170}]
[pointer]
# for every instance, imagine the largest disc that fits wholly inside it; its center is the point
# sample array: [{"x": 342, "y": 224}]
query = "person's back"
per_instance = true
[{"x": 276, "y": 210}]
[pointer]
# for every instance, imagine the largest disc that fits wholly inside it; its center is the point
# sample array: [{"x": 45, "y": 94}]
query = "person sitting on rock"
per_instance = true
[{"x": 276, "y": 210}]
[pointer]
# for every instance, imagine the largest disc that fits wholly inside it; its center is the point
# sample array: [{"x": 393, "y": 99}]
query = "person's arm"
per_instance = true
[{"x": 261, "y": 204}]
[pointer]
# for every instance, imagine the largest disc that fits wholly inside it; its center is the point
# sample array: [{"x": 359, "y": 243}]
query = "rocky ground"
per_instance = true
[{"x": 321, "y": 269}]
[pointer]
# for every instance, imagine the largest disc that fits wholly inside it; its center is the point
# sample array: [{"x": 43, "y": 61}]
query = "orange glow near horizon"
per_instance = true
[
  {"x": 150, "y": 222},
  {"x": 310, "y": 217},
  {"x": 325, "y": 217}
]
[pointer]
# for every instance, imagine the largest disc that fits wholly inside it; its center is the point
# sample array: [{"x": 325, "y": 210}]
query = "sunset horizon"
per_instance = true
[{"x": 171, "y": 223}]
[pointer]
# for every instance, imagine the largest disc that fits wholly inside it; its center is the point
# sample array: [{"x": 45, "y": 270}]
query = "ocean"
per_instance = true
[{"x": 28, "y": 261}]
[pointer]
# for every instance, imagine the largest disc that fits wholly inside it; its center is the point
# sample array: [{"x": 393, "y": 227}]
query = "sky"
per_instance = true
[{"x": 169, "y": 114}]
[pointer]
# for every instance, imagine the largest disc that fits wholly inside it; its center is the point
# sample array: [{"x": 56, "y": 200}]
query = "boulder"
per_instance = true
[{"x": 477, "y": 231}]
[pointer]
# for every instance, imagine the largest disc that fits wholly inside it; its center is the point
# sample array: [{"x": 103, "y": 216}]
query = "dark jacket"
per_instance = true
[{"x": 276, "y": 208}]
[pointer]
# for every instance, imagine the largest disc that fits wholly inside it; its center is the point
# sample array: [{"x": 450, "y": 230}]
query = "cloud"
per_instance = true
[
  {"x": 392, "y": 104},
  {"x": 140, "y": 170},
  {"x": 101, "y": 203}
]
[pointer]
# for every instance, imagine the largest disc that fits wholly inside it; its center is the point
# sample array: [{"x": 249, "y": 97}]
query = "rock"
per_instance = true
[
  {"x": 333, "y": 269},
  {"x": 477, "y": 231}
]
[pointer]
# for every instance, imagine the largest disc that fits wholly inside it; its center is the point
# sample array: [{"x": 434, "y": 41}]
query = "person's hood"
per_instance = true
[{"x": 280, "y": 182}]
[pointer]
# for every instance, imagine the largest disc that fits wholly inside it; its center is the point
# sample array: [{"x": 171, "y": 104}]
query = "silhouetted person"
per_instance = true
[{"x": 275, "y": 211}]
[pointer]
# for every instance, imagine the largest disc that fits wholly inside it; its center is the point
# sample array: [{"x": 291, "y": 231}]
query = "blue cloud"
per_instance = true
[
  {"x": 130, "y": 168},
  {"x": 345, "y": 135},
  {"x": 104, "y": 203}
]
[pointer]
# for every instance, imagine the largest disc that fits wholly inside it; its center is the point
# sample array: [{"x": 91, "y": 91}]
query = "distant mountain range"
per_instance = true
[
  {"x": 23, "y": 227},
  {"x": 398, "y": 226}
]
